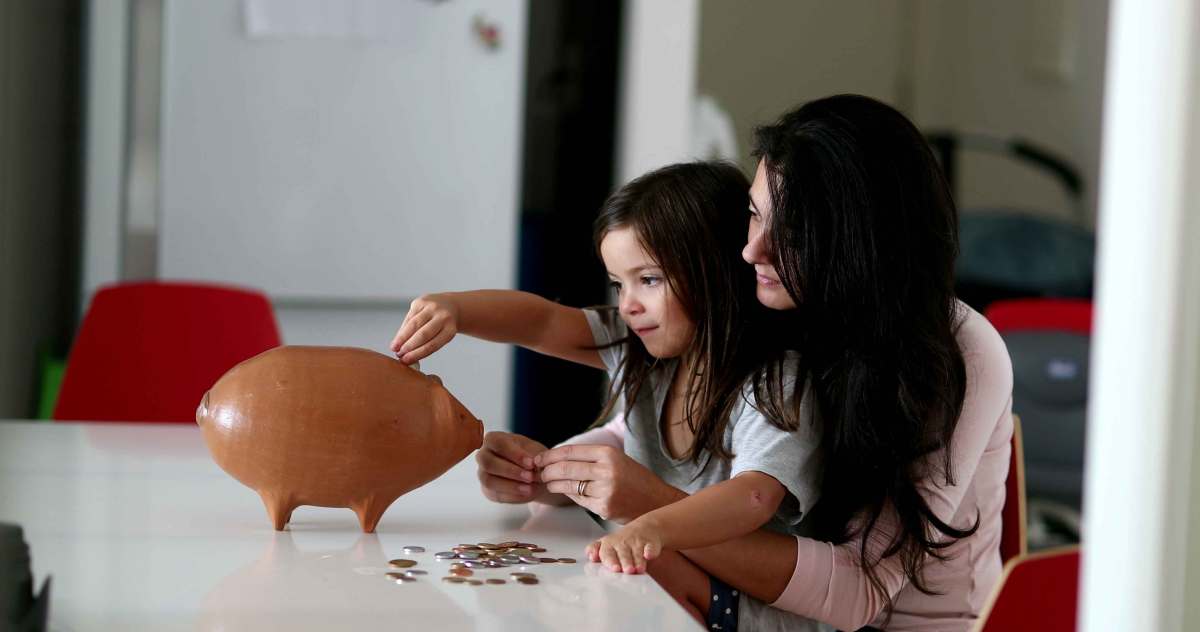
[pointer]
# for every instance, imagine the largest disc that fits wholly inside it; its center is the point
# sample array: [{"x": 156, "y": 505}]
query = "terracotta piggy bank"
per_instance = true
[{"x": 333, "y": 427}]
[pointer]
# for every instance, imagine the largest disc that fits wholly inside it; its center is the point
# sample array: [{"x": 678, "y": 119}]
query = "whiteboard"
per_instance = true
[{"x": 375, "y": 162}]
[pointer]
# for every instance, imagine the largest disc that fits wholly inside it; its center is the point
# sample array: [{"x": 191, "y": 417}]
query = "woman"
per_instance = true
[{"x": 853, "y": 236}]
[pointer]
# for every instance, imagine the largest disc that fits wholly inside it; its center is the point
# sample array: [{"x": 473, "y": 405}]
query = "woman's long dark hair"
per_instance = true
[
  {"x": 864, "y": 233},
  {"x": 690, "y": 218}
]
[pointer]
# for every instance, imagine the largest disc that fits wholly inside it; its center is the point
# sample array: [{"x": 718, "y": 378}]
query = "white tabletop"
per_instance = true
[{"x": 141, "y": 530}]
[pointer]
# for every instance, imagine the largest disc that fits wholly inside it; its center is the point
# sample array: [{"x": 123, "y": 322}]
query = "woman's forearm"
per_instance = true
[{"x": 759, "y": 564}]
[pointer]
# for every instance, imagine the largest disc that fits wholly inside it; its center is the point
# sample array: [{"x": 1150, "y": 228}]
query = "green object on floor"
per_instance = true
[{"x": 52, "y": 369}]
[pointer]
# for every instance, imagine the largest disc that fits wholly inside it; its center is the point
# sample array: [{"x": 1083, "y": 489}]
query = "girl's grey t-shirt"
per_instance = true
[{"x": 757, "y": 445}]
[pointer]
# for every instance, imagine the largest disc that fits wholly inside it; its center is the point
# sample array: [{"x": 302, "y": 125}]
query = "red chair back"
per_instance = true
[
  {"x": 1012, "y": 516},
  {"x": 1039, "y": 314},
  {"x": 1039, "y": 591},
  {"x": 149, "y": 351}
]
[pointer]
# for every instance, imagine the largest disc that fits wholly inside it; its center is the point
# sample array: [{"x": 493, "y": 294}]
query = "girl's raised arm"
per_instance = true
[{"x": 509, "y": 316}]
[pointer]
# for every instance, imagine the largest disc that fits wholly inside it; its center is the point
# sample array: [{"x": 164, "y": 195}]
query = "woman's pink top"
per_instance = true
[{"x": 828, "y": 585}]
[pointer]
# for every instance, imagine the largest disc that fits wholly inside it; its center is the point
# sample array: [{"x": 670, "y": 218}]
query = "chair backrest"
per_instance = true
[
  {"x": 1048, "y": 340},
  {"x": 1038, "y": 591},
  {"x": 1012, "y": 517},
  {"x": 149, "y": 351}
]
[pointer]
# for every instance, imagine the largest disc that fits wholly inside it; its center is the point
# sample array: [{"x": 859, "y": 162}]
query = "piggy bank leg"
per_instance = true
[
  {"x": 369, "y": 511},
  {"x": 279, "y": 508}
]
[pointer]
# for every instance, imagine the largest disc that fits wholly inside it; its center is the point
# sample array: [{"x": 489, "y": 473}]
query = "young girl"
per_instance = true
[{"x": 684, "y": 354}]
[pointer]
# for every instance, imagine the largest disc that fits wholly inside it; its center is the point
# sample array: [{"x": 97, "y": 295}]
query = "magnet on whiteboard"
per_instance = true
[{"x": 486, "y": 31}]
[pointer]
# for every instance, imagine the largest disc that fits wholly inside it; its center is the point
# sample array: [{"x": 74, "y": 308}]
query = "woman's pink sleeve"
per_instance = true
[
  {"x": 828, "y": 583},
  {"x": 611, "y": 434}
]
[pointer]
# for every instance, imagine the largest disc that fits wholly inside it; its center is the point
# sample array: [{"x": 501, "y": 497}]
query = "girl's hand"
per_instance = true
[
  {"x": 628, "y": 550},
  {"x": 506, "y": 471},
  {"x": 431, "y": 322},
  {"x": 615, "y": 487}
]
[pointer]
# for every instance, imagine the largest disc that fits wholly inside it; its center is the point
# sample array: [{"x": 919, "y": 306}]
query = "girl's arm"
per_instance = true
[
  {"x": 507, "y": 316},
  {"x": 824, "y": 581},
  {"x": 715, "y": 514}
]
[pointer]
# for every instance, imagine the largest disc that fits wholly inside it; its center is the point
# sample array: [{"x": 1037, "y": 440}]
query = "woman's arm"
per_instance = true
[
  {"x": 506, "y": 316},
  {"x": 826, "y": 582}
]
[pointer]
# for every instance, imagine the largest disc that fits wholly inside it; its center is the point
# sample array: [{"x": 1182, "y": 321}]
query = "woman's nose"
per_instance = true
[{"x": 756, "y": 251}]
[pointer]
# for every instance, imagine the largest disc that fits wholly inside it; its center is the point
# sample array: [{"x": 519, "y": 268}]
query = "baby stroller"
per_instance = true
[{"x": 1032, "y": 276}]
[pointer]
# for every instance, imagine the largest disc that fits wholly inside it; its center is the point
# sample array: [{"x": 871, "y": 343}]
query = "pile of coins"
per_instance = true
[{"x": 466, "y": 559}]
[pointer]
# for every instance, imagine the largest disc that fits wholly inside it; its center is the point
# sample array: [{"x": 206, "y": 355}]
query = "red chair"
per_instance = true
[
  {"x": 1039, "y": 591},
  {"x": 1012, "y": 517},
  {"x": 149, "y": 351},
  {"x": 1040, "y": 314}
]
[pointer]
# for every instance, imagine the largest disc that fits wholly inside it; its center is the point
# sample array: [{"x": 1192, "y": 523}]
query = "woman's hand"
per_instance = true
[
  {"x": 605, "y": 481},
  {"x": 628, "y": 550},
  {"x": 431, "y": 322},
  {"x": 506, "y": 471}
]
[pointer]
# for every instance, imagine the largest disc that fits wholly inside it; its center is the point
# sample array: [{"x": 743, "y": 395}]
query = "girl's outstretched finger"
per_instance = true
[
  {"x": 651, "y": 551},
  {"x": 427, "y": 349},
  {"x": 412, "y": 322}
]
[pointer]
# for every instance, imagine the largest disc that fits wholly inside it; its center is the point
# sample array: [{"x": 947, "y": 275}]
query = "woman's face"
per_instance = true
[
  {"x": 647, "y": 304},
  {"x": 757, "y": 252}
]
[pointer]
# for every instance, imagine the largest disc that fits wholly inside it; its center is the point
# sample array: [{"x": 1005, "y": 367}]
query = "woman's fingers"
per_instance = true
[
  {"x": 570, "y": 470},
  {"x": 512, "y": 447},
  {"x": 590, "y": 453},
  {"x": 505, "y": 490},
  {"x": 495, "y": 465}
]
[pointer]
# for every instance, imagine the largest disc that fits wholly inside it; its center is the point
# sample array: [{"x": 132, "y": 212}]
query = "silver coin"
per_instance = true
[
  {"x": 445, "y": 555},
  {"x": 469, "y": 555},
  {"x": 495, "y": 564},
  {"x": 413, "y": 572},
  {"x": 414, "y": 549},
  {"x": 510, "y": 559},
  {"x": 530, "y": 560},
  {"x": 474, "y": 564}
]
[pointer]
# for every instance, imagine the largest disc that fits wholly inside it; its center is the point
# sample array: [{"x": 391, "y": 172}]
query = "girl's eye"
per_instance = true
[
  {"x": 650, "y": 280},
  {"x": 616, "y": 285}
]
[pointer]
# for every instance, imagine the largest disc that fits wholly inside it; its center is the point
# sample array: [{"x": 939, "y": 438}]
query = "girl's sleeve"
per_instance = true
[{"x": 828, "y": 584}]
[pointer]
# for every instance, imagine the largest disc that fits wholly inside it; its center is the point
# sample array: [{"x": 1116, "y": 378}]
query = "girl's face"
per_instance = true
[
  {"x": 758, "y": 253},
  {"x": 647, "y": 305}
]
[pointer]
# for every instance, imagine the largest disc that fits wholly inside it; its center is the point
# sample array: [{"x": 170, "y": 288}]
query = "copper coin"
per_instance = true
[
  {"x": 402, "y": 563},
  {"x": 516, "y": 575},
  {"x": 496, "y": 581},
  {"x": 519, "y": 551},
  {"x": 527, "y": 545},
  {"x": 547, "y": 560},
  {"x": 454, "y": 580},
  {"x": 508, "y": 544},
  {"x": 566, "y": 560},
  {"x": 394, "y": 576},
  {"x": 537, "y": 549},
  {"x": 528, "y": 581},
  {"x": 474, "y": 582},
  {"x": 489, "y": 546},
  {"x": 457, "y": 565},
  {"x": 468, "y": 547},
  {"x": 462, "y": 572}
]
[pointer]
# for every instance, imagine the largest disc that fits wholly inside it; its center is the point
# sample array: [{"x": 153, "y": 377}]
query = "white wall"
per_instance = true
[{"x": 986, "y": 66}]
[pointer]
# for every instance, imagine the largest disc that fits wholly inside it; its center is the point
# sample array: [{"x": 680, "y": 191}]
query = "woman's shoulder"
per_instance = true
[{"x": 989, "y": 367}]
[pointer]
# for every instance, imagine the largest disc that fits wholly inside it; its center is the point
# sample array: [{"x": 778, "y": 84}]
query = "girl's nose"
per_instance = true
[{"x": 630, "y": 307}]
